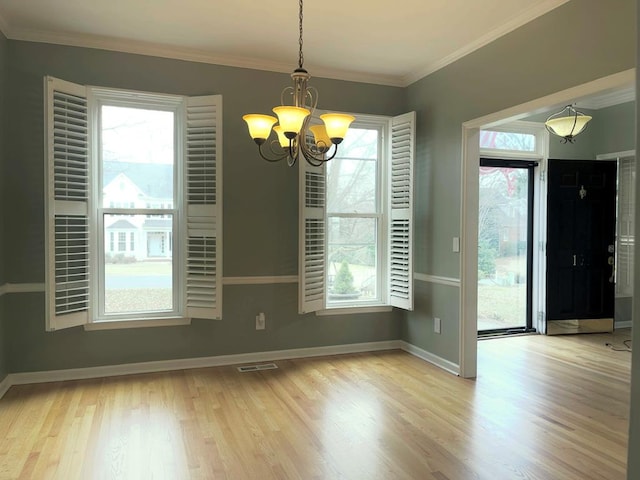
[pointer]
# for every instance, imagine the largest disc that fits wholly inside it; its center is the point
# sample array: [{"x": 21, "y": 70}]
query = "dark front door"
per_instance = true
[{"x": 581, "y": 212}]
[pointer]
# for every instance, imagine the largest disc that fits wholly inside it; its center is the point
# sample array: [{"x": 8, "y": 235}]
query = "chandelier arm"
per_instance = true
[
  {"x": 284, "y": 92},
  {"x": 313, "y": 161},
  {"x": 313, "y": 158},
  {"x": 312, "y": 95},
  {"x": 276, "y": 158},
  {"x": 575, "y": 121}
]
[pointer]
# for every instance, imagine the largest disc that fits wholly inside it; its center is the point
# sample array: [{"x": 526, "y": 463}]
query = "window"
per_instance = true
[
  {"x": 356, "y": 221},
  {"x": 502, "y": 140},
  {"x": 354, "y": 218},
  {"x": 625, "y": 226},
  {"x": 514, "y": 140},
  {"x": 144, "y": 147},
  {"x": 122, "y": 241}
]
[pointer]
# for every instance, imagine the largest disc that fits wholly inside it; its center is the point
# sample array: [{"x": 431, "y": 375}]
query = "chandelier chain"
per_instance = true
[{"x": 300, "y": 55}]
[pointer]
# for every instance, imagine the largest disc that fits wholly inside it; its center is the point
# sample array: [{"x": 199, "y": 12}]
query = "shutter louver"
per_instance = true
[
  {"x": 67, "y": 197},
  {"x": 401, "y": 211},
  {"x": 625, "y": 225},
  {"x": 204, "y": 209},
  {"x": 312, "y": 238}
]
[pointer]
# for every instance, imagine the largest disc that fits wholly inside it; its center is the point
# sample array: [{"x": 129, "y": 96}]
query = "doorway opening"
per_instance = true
[
  {"x": 471, "y": 131},
  {"x": 505, "y": 246}
]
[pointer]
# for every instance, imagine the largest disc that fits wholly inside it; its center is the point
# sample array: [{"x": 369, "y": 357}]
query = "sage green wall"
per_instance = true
[
  {"x": 633, "y": 459},
  {"x": 3, "y": 199},
  {"x": 614, "y": 128},
  {"x": 260, "y": 215},
  {"x": 542, "y": 57}
]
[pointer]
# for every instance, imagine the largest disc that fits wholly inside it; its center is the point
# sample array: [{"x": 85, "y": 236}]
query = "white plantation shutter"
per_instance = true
[
  {"x": 312, "y": 237},
  {"x": 625, "y": 223},
  {"x": 401, "y": 211},
  {"x": 67, "y": 204},
  {"x": 203, "y": 202}
]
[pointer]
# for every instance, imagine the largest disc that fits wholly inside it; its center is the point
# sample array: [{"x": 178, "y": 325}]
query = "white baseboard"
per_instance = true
[
  {"x": 627, "y": 324},
  {"x": 219, "y": 361},
  {"x": 431, "y": 358},
  {"x": 201, "y": 362},
  {"x": 5, "y": 385}
]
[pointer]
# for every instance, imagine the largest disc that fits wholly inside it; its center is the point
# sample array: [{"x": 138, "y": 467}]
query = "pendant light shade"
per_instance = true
[
  {"x": 320, "y": 136},
  {"x": 567, "y": 123},
  {"x": 282, "y": 139},
  {"x": 337, "y": 125},
  {"x": 259, "y": 126},
  {"x": 291, "y": 119}
]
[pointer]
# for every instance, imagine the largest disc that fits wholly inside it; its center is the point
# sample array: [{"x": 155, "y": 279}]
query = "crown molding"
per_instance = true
[
  {"x": 609, "y": 99},
  {"x": 515, "y": 23},
  {"x": 187, "y": 54}
]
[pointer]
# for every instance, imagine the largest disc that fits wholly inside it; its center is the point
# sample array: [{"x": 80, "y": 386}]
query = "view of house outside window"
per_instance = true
[{"x": 137, "y": 168}]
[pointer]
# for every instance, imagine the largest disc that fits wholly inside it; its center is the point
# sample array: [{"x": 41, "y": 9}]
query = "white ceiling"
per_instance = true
[{"x": 386, "y": 42}]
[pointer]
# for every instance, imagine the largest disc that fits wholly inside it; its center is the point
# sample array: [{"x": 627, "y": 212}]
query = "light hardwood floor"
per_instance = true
[{"x": 541, "y": 408}]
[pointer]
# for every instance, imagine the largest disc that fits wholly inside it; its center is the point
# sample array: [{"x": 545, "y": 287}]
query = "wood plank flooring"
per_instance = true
[{"x": 541, "y": 408}]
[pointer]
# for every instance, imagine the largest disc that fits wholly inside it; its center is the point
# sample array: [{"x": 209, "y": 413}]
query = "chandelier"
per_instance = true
[
  {"x": 295, "y": 133},
  {"x": 567, "y": 123}
]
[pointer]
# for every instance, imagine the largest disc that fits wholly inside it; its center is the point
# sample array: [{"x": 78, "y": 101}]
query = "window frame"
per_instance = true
[
  {"x": 71, "y": 163},
  {"x": 396, "y": 245},
  {"x": 382, "y": 125},
  {"x": 520, "y": 127},
  {"x": 97, "y": 99}
]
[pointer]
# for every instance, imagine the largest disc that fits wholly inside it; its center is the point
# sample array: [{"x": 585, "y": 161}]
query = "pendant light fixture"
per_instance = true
[
  {"x": 295, "y": 134},
  {"x": 567, "y": 123}
]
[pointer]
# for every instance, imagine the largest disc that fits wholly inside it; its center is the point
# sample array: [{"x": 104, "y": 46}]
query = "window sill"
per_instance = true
[
  {"x": 151, "y": 322},
  {"x": 354, "y": 309}
]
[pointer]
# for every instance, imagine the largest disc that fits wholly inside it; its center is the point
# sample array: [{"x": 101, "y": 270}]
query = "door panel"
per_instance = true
[{"x": 580, "y": 228}]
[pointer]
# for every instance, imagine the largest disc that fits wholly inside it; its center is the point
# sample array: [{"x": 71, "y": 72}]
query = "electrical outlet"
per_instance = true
[
  {"x": 436, "y": 325},
  {"x": 260, "y": 321}
]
